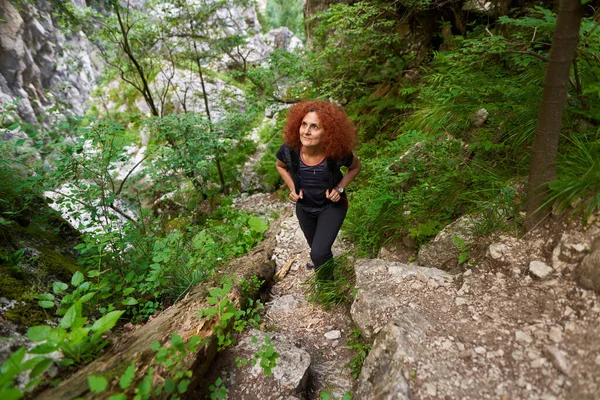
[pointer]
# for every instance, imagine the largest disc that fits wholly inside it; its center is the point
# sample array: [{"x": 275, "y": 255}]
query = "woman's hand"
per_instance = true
[
  {"x": 333, "y": 195},
  {"x": 294, "y": 197}
]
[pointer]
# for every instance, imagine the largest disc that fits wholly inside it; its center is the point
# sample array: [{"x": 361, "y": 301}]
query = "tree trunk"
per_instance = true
[{"x": 547, "y": 131}]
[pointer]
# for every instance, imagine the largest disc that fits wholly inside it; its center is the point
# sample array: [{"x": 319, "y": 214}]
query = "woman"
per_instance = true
[{"x": 318, "y": 140}]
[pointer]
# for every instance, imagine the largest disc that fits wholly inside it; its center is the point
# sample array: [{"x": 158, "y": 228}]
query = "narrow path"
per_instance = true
[{"x": 297, "y": 330}]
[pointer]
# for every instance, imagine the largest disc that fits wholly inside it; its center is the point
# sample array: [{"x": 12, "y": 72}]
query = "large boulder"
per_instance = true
[
  {"x": 384, "y": 373},
  {"x": 377, "y": 301},
  {"x": 442, "y": 252},
  {"x": 587, "y": 274},
  {"x": 382, "y": 316}
]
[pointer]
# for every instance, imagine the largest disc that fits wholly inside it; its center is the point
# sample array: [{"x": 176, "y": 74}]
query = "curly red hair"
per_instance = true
[{"x": 339, "y": 136}]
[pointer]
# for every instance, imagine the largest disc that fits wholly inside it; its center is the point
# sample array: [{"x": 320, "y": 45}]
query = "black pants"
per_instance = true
[{"x": 320, "y": 228}]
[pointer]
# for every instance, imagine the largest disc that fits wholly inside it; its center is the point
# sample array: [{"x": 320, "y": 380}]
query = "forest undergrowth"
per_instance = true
[{"x": 443, "y": 133}]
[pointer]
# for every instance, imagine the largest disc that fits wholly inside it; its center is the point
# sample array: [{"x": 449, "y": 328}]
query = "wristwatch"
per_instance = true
[{"x": 339, "y": 189}]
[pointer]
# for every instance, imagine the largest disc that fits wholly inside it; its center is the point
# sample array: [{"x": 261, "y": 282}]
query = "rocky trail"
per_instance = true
[
  {"x": 311, "y": 340},
  {"x": 512, "y": 325}
]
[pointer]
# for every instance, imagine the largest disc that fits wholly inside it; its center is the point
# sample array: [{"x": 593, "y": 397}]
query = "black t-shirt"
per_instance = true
[{"x": 313, "y": 179}]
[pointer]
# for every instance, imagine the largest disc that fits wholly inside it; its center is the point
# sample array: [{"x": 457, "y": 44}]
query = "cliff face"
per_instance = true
[{"x": 41, "y": 65}]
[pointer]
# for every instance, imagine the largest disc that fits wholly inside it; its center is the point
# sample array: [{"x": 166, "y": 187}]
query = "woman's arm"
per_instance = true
[
  {"x": 289, "y": 181},
  {"x": 353, "y": 170}
]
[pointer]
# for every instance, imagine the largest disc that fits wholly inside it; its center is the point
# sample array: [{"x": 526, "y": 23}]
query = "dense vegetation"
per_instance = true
[{"x": 430, "y": 153}]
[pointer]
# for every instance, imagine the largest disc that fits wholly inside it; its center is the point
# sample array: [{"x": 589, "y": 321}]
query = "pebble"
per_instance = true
[
  {"x": 459, "y": 301},
  {"x": 556, "y": 334},
  {"x": 497, "y": 250},
  {"x": 558, "y": 359},
  {"x": 597, "y": 360},
  {"x": 537, "y": 363},
  {"x": 333, "y": 335},
  {"x": 431, "y": 389},
  {"x": 517, "y": 355},
  {"x": 480, "y": 350},
  {"x": 570, "y": 327},
  {"x": 523, "y": 337},
  {"x": 539, "y": 269}
]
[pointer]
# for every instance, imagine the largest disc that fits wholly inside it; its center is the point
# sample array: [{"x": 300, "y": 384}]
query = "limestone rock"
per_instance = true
[
  {"x": 480, "y": 117},
  {"x": 290, "y": 372},
  {"x": 377, "y": 281},
  {"x": 540, "y": 270},
  {"x": 587, "y": 274},
  {"x": 383, "y": 373},
  {"x": 558, "y": 359},
  {"x": 441, "y": 252},
  {"x": 333, "y": 335},
  {"x": 35, "y": 57}
]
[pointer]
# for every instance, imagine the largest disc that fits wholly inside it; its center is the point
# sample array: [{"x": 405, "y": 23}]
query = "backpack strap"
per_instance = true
[{"x": 295, "y": 168}]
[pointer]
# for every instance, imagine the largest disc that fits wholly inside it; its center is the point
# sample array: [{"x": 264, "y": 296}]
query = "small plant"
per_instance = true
[
  {"x": 225, "y": 312},
  {"x": 333, "y": 283},
  {"x": 266, "y": 354},
  {"x": 166, "y": 359},
  {"x": 218, "y": 390},
  {"x": 328, "y": 395},
  {"x": 361, "y": 351},
  {"x": 463, "y": 247}
]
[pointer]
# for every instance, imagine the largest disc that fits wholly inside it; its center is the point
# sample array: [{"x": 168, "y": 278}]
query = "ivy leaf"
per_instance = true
[
  {"x": 69, "y": 317},
  {"x": 40, "y": 367},
  {"x": 39, "y": 333},
  {"x": 257, "y": 225},
  {"x": 130, "y": 301},
  {"x": 107, "y": 322},
  {"x": 77, "y": 278},
  {"x": 46, "y": 304},
  {"x": 46, "y": 296},
  {"x": 11, "y": 394},
  {"x": 44, "y": 348},
  {"x": 97, "y": 384},
  {"x": 59, "y": 287}
]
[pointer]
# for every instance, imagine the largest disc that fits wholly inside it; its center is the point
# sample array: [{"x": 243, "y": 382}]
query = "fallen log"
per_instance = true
[{"x": 181, "y": 318}]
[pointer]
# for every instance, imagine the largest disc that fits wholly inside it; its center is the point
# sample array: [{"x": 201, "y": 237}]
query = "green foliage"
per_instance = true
[
  {"x": 365, "y": 34},
  {"x": 266, "y": 356},
  {"x": 265, "y": 168},
  {"x": 168, "y": 362},
  {"x": 333, "y": 283},
  {"x": 328, "y": 395},
  {"x": 463, "y": 247},
  {"x": 578, "y": 184},
  {"x": 286, "y": 13},
  {"x": 79, "y": 343},
  {"x": 218, "y": 390},
  {"x": 361, "y": 351}
]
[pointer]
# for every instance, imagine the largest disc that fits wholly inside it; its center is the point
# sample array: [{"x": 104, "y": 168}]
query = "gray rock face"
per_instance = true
[
  {"x": 441, "y": 252},
  {"x": 36, "y": 58},
  {"x": 379, "y": 313},
  {"x": 588, "y": 273},
  {"x": 289, "y": 377},
  {"x": 376, "y": 303},
  {"x": 384, "y": 373}
]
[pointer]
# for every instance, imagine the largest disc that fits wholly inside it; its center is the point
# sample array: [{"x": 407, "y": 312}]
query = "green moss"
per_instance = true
[
  {"x": 55, "y": 266},
  {"x": 26, "y": 314},
  {"x": 10, "y": 287}
]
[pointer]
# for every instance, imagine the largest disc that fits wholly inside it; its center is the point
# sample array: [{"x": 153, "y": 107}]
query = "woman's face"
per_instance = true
[{"x": 311, "y": 132}]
